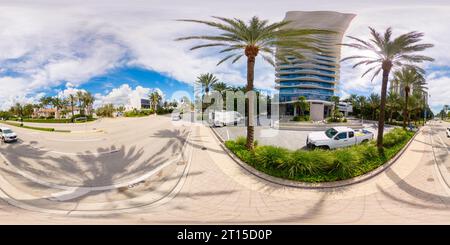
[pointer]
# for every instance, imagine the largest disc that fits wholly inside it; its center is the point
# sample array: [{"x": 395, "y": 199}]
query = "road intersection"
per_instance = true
[{"x": 199, "y": 182}]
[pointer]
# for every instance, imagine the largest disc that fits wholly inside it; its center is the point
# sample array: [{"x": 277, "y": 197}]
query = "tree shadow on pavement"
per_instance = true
[{"x": 426, "y": 197}]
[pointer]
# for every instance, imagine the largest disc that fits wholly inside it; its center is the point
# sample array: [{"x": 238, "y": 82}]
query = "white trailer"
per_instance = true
[{"x": 222, "y": 118}]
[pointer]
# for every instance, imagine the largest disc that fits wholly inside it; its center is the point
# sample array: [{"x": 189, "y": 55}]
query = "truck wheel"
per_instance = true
[{"x": 364, "y": 141}]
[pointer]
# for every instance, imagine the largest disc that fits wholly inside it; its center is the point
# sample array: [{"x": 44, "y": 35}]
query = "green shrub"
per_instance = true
[
  {"x": 320, "y": 165},
  {"x": 345, "y": 162},
  {"x": 162, "y": 111},
  {"x": 394, "y": 137},
  {"x": 138, "y": 113},
  {"x": 47, "y": 120},
  {"x": 308, "y": 162},
  {"x": 241, "y": 140},
  {"x": 271, "y": 156}
]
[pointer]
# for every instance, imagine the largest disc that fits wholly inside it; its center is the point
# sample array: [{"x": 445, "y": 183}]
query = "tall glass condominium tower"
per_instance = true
[{"x": 316, "y": 76}]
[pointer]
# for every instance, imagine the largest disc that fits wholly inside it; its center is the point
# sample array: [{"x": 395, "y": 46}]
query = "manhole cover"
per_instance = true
[{"x": 430, "y": 179}]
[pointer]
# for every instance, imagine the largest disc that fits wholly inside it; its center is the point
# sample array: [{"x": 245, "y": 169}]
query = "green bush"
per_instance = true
[
  {"x": 138, "y": 113},
  {"x": 308, "y": 162},
  {"x": 346, "y": 162},
  {"x": 162, "y": 111},
  {"x": 394, "y": 137},
  {"x": 320, "y": 165},
  {"x": 271, "y": 156},
  {"x": 47, "y": 120}
]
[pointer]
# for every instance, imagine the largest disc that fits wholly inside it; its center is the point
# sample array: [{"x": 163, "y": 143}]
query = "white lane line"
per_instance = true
[{"x": 228, "y": 134}]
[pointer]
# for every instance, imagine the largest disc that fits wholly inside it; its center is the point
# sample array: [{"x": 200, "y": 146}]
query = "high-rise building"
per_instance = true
[{"x": 315, "y": 77}]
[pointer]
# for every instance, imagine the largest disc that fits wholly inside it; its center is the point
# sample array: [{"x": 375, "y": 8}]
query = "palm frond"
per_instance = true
[
  {"x": 236, "y": 59},
  {"x": 226, "y": 58},
  {"x": 208, "y": 45}
]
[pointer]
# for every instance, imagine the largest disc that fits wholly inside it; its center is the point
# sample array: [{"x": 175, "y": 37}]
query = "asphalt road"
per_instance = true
[
  {"x": 215, "y": 189},
  {"x": 124, "y": 149}
]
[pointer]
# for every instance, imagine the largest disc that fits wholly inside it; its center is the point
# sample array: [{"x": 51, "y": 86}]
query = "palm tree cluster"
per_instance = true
[
  {"x": 384, "y": 54},
  {"x": 83, "y": 99},
  {"x": 62, "y": 105},
  {"x": 155, "y": 99},
  {"x": 399, "y": 107},
  {"x": 271, "y": 41}
]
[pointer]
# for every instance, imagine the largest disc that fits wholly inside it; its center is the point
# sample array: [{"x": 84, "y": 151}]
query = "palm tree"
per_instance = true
[
  {"x": 155, "y": 98},
  {"x": 239, "y": 38},
  {"x": 393, "y": 104},
  {"x": 361, "y": 101},
  {"x": 335, "y": 100},
  {"x": 408, "y": 78},
  {"x": 58, "y": 104},
  {"x": 206, "y": 81},
  {"x": 72, "y": 101},
  {"x": 80, "y": 98},
  {"x": 45, "y": 101},
  {"x": 374, "y": 103},
  {"x": 88, "y": 100},
  {"x": 302, "y": 104},
  {"x": 388, "y": 53},
  {"x": 221, "y": 88}
]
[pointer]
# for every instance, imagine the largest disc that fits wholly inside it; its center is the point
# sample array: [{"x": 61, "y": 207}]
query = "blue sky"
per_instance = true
[
  {"x": 133, "y": 76},
  {"x": 116, "y": 48}
]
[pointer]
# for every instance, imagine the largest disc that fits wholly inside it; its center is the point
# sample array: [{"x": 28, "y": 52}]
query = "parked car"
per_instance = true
[
  {"x": 448, "y": 132},
  {"x": 222, "y": 118},
  {"x": 337, "y": 137},
  {"x": 7, "y": 135}
]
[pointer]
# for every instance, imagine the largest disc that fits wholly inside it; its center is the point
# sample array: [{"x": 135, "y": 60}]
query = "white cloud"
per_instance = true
[
  {"x": 124, "y": 95},
  {"x": 51, "y": 42}
]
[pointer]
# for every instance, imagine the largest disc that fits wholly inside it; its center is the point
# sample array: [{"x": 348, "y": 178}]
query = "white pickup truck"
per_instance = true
[{"x": 337, "y": 137}]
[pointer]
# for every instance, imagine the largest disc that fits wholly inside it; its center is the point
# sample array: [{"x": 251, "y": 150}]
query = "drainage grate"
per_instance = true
[{"x": 204, "y": 148}]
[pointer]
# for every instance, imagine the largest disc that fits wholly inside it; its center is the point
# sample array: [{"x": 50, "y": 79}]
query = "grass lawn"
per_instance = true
[
  {"x": 321, "y": 165},
  {"x": 36, "y": 128}
]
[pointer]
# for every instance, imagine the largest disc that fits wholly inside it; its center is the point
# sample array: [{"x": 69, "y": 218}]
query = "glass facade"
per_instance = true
[{"x": 312, "y": 78}]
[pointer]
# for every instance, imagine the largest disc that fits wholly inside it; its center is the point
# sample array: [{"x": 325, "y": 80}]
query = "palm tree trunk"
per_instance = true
[
  {"x": 405, "y": 111},
  {"x": 250, "y": 104},
  {"x": 386, "y": 70}
]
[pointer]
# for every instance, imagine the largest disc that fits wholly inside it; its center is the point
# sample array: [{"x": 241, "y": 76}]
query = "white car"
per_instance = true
[
  {"x": 337, "y": 137},
  {"x": 448, "y": 132},
  {"x": 222, "y": 118},
  {"x": 7, "y": 135}
]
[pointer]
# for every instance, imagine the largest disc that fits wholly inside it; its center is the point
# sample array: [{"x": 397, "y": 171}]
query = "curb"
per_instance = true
[{"x": 306, "y": 185}]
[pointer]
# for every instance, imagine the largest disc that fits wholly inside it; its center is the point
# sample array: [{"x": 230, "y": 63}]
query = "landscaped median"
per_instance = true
[
  {"x": 321, "y": 165},
  {"x": 36, "y": 128}
]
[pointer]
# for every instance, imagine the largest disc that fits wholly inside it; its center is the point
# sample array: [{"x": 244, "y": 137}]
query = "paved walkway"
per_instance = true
[{"x": 217, "y": 190}]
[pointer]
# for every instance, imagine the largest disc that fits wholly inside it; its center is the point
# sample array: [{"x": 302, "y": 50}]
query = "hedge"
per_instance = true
[{"x": 320, "y": 165}]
